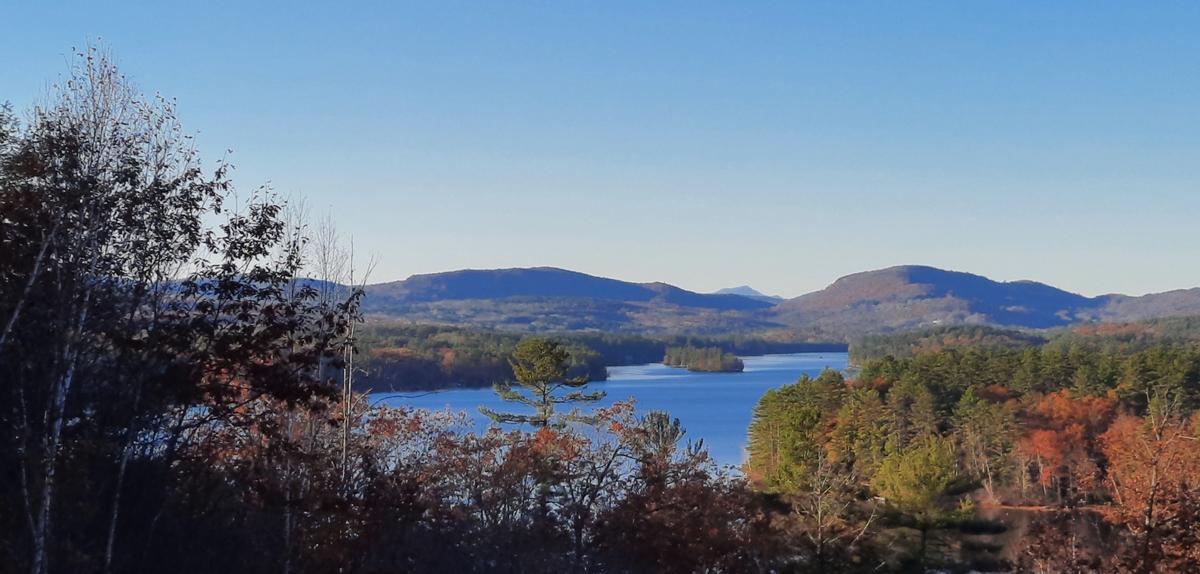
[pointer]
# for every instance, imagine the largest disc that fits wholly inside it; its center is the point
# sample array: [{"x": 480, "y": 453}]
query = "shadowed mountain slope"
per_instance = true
[
  {"x": 548, "y": 282},
  {"x": 547, "y": 298}
]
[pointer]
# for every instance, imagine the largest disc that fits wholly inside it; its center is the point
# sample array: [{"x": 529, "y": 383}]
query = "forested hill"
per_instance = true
[
  {"x": 909, "y": 297},
  {"x": 895, "y": 299},
  {"x": 547, "y": 282},
  {"x": 549, "y": 299}
]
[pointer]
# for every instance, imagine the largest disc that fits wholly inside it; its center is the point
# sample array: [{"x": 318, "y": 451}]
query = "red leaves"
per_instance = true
[
  {"x": 1146, "y": 456},
  {"x": 1154, "y": 470},
  {"x": 1060, "y": 410},
  {"x": 1063, "y": 438},
  {"x": 1053, "y": 450}
]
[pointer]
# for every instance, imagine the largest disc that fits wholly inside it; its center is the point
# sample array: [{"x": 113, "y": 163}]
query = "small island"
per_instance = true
[{"x": 703, "y": 359}]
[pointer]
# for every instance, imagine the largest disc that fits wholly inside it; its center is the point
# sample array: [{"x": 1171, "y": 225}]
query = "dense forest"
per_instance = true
[
  {"x": 909, "y": 343},
  {"x": 404, "y": 357},
  {"x": 1045, "y": 460},
  {"x": 703, "y": 359},
  {"x": 1132, "y": 336}
]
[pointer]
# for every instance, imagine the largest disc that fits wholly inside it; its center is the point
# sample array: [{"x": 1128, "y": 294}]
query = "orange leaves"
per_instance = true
[
  {"x": 1061, "y": 410},
  {"x": 1063, "y": 436},
  {"x": 1145, "y": 456},
  {"x": 1046, "y": 444},
  {"x": 447, "y": 358},
  {"x": 553, "y": 444},
  {"x": 1072, "y": 439},
  {"x": 1154, "y": 470},
  {"x": 544, "y": 437},
  {"x": 383, "y": 426},
  {"x": 1053, "y": 449},
  {"x": 618, "y": 410}
]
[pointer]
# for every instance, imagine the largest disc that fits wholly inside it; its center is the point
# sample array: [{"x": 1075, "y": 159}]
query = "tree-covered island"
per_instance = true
[{"x": 703, "y": 359}]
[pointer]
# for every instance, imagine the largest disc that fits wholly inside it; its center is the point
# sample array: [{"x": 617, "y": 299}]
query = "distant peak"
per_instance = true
[
  {"x": 746, "y": 291},
  {"x": 739, "y": 290}
]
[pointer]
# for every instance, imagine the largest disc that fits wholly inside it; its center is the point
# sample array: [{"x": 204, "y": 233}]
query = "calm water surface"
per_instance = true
[{"x": 712, "y": 406}]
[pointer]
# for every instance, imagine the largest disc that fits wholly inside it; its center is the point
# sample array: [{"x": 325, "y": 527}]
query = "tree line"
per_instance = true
[
  {"x": 907, "y": 344},
  {"x": 1130, "y": 336},
  {"x": 402, "y": 356},
  {"x": 406, "y": 357}
]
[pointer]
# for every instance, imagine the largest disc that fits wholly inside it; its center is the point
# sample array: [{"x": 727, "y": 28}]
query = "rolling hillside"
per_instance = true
[
  {"x": 911, "y": 297},
  {"x": 900, "y": 298},
  {"x": 886, "y": 300},
  {"x": 550, "y": 299}
]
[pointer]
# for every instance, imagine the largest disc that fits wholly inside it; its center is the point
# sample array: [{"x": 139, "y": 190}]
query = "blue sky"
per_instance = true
[{"x": 703, "y": 144}]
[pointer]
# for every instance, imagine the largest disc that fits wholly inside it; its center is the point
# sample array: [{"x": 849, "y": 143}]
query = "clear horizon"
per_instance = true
[{"x": 701, "y": 145}]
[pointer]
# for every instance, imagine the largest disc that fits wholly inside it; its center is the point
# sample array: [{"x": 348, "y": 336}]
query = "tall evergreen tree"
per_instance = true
[{"x": 540, "y": 368}]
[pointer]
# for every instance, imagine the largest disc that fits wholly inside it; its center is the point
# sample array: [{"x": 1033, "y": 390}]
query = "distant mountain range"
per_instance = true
[{"x": 892, "y": 299}]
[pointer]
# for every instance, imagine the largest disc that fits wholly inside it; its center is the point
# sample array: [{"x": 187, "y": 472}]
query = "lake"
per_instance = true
[{"x": 713, "y": 406}]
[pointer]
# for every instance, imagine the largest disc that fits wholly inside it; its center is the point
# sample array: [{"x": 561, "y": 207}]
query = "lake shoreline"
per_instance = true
[{"x": 715, "y": 407}]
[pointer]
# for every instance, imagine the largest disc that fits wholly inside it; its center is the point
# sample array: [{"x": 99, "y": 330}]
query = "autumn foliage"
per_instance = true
[
  {"x": 621, "y": 495},
  {"x": 989, "y": 458}
]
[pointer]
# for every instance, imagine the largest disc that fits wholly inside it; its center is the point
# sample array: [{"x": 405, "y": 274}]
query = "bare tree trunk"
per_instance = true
[
  {"x": 116, "y": 509},
  {"x": 287, "y": 503},
  {"x": 348, "y": 350},
  {"x": 123, "y": 465},
  {"x": 26, "y": 496},
  {"x": 55, "y": 414},
  {"x": 33, "y": 277},
  {"x": 988, "y": 482}
]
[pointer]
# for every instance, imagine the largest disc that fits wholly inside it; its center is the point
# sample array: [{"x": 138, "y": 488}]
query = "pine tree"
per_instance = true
[
  {"x": 916, "y": 481},
  {"x": 540, "y": 367}
]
